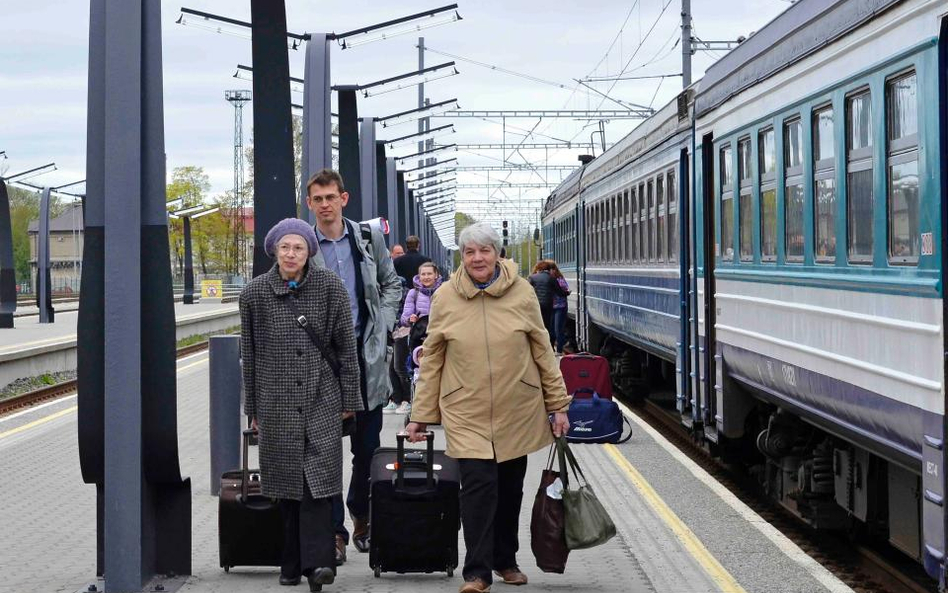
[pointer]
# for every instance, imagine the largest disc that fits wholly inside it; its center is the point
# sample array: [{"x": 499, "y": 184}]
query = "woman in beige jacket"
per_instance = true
[{"x": 490, "y": 378}]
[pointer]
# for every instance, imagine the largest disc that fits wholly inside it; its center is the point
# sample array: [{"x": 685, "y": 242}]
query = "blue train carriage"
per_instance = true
[
  {"x": 561, "y": 227},
  {"x": 819, "y": 176},
  {"x": 630, "y": 303}
]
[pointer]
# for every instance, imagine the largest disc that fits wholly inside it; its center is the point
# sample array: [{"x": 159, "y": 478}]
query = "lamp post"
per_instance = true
[{"x": 186, "y": 215}]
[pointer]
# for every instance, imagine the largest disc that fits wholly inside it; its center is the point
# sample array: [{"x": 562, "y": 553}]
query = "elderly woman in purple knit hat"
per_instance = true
[{"x": 297, "y": 392}]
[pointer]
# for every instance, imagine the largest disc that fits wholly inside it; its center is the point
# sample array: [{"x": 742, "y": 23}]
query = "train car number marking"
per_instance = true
[
  {"x": 928, "y": 245},
  {"x": 789, "y": 375},
  {"x": 931, "y": 468}
]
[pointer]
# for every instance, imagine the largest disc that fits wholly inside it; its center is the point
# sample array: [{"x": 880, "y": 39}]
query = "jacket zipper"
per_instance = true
[{"x": 490, "y": 373}]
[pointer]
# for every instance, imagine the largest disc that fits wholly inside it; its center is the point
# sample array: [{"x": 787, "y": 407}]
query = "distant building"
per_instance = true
[{"x": 65, "y": 249}]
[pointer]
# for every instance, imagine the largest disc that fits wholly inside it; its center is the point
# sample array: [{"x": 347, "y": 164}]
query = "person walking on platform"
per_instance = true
[
  {"x": 546, "y": 289},
  {"x": 359, "y": 256},
  {"x": 560, "y": 306},
  {"x": 417, "y": 306},
  {"x": 407, "y": 265},
  {"x": 397, "y": 251},
  {"x": 295, "y": 397},
  {"x": 401, "y": 381},
  {"x": 490, "y": 378}
]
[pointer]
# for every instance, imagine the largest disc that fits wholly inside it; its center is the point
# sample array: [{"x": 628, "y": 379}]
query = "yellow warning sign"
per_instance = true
[{"x": 212, "y": 289}]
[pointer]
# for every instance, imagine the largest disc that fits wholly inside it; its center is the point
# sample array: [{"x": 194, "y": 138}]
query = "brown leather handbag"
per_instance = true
[{"x": 548, "y": 523}]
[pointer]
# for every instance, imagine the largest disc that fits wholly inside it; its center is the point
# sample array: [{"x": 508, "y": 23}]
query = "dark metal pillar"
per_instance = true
[
  {"x": 381, "y": 181},
  {"x": 44, "y": 290},
  {"x": 224, "y": 406},
  {"x": 188, "y": 263},
  {"x": 273, "y": 175},
  {"x": 402, "y": 206},
  {"x": 7, "y": 270},
  {"x": 349, "y": 151},
  {"x": 367, "y": 160},
  {"x": 391, "y": 187},
  {"x": 127, "y": 380},
  {"x": 317, "y": 126}
]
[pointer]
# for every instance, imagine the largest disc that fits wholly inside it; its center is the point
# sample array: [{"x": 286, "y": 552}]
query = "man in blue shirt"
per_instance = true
[{"x": 360, "y": 257}]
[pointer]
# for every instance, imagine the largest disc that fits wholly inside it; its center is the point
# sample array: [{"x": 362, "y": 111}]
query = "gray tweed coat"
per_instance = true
[{"x": 288, "y": 386}]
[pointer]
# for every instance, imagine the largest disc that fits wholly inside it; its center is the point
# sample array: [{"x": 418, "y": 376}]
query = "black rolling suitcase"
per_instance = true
[
  {"x": 414, "y": 510},
  {"x": 249, "y": 525}
]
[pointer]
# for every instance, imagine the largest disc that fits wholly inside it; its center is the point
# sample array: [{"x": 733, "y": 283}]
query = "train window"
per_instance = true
[
  {"x": 747, "y": 213},
  {"x": 626, "y": 228},
  {"x": 660, "y": 218},
  {"x": 767, "y": 159},
  {"x": 859, "y": 176},
  {"x": 902, "y": 154},
  {"x": 643, "y": 225},
  {"x": 672, "y": 215},
  {"x": 793, "y": 199},
  {"x": 727, "y": 205},
  {"x": 650, "y": 192},
  {"x": 634, "y": 247},
  {"x": 824, "y": 185},
  {"x": 613, "y": 226}
]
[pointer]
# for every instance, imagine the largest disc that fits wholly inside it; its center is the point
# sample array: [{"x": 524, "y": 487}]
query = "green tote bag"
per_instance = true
[{"x": 587, "y": 522}]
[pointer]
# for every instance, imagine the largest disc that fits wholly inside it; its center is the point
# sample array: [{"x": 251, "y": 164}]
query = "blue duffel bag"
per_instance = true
[{"x": 596, "y": 420}]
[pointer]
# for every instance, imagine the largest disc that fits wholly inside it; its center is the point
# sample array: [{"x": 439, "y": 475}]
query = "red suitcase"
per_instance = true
[{"x": 586, "y": 371}]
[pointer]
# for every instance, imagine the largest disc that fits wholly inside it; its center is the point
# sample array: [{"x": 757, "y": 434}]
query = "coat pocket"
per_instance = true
[
  {"x": 450, "y": 392},
  {"x": 528, "y": 384}
]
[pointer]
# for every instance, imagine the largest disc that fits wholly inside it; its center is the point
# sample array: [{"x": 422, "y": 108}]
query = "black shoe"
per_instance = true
[
  {"x": 340, "y": 550},
  {"x": 289, "y": 581},
  {"x": 360, "y": 534},
  {"x": 319, "y": 577}
]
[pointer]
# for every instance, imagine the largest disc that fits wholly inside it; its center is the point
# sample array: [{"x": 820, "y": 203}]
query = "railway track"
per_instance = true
[
  {"x": 51, "y": 392},
  {"x": 865, "y": 568}
]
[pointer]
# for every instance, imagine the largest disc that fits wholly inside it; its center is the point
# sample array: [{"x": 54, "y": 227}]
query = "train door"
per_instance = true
[
  {"x": 683, "y": 375},
  {"x": 934, "y": 462},
  {"x": 582, "y": 321},
  {"x": 706, "y": 342}
]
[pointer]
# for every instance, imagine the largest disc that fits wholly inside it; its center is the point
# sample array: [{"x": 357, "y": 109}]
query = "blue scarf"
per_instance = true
[{"x": 484, "y": 285}]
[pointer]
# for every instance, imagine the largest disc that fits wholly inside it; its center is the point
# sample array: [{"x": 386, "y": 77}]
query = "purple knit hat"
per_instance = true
[{"x": 290, "y": 226}]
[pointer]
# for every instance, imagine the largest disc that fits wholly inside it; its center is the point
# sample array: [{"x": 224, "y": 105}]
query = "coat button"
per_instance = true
[
  {"x": 299, "y": 353},
  {"x": 299, "y": 410},
  {"x": 299, "y": 383}
]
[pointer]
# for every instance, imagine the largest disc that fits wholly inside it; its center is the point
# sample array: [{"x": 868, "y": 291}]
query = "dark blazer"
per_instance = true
[
  {"x": 292, "y": 391},
  {"x": 546, "y": 287},
  {"x": 406, "y": 266}
]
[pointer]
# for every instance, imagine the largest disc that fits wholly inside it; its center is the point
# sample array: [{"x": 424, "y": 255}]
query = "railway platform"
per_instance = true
[{"x": 678, "y": 530}]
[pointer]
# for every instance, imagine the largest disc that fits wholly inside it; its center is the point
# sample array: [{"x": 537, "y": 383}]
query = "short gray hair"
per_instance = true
[{"x": 480, "y": 234}]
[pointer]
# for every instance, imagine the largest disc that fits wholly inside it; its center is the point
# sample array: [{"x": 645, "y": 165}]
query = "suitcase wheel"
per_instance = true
[
  {"x": 378, "y": 572},
  {"x": 226, "y": 569},
  {"x": 450, "y": 572}
]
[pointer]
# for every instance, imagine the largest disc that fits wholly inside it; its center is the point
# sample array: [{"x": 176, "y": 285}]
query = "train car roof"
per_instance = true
[{"x": 799, "y": 31}]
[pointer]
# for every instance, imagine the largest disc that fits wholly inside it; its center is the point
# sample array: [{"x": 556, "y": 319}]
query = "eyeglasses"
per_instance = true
[
  {"x": 295, "y": 249},
  {"x": 330, "y": 199}
]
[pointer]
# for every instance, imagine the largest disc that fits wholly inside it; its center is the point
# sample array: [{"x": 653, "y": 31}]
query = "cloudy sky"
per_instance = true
[{"x": 43, "y": 63}]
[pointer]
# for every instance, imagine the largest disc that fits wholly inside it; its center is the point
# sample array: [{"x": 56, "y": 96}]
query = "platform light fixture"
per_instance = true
[
  {"x": 430, "y": 166},
  {"x": 246, "y": 73},
  {"x": 415, "y": 114},
  {"x": 433, "y": 184},
  {"x": 431, "y": 134},
  {"x": 228, "y": 26},
  {"x": 31, "y": 173},
  {"x": 400, "y": 26},
  {"x": 414, "y": 183},
  {"x": 427, "y": 153},
  {"x": 409, "y": 80}
]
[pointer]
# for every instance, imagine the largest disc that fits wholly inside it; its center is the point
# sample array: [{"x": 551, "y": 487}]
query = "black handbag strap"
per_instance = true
[
  {"x": 628, "y": 436},
  {"x": 304, "y": 323}
]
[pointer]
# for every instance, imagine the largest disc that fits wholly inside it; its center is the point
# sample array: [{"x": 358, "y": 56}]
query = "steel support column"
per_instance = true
[
  {"x": 391, "y": 187},
  {"x": 188, "y": 263},
  {"x": 368, "y": 169},
  {"x": 127, "y": 380},
  {"x": 317, "y": 126},
  {"x": 381, "y": 183},
  {"x": 349, "y": 167},
  {"x": 7, "y": 269},
  {"x": 44, "y": 289},
  {"x": 273, "y": 175},
  {"x": 401, "y": 206}
]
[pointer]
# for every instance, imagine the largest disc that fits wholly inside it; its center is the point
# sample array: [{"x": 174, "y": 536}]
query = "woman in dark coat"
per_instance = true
[{"x": 293, "y": 397}]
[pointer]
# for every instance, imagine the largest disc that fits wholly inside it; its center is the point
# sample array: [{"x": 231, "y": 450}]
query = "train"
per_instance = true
[{"x": 767, "y": 253}]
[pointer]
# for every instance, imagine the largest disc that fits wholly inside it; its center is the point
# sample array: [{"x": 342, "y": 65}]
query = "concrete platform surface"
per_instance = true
[{"x": 676, "y": 532}]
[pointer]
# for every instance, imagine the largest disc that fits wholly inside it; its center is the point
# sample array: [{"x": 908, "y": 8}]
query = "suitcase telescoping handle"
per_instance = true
[
  {"x": 400, "y": 460},
  {"x": 245, "y": 463}
]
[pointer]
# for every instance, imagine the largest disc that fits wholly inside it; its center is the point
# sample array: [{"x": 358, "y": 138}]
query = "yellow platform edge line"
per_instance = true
[
  {"x": 38, "y": 422},
  {"x": 69, "y": 410},
  {"x": 710, "y": 564}
]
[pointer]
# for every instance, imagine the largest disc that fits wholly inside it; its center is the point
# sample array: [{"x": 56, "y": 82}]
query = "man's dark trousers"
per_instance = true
[
  {"x": 363, "y": 445},
  {"x": 491, "y": 494}
]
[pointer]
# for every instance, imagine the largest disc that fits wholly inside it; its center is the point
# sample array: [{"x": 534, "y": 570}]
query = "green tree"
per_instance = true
[
  {"x": 24, "y": 209},
  {"x": 189, "y": 184},
  {"x": 461, "y": 222}
]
